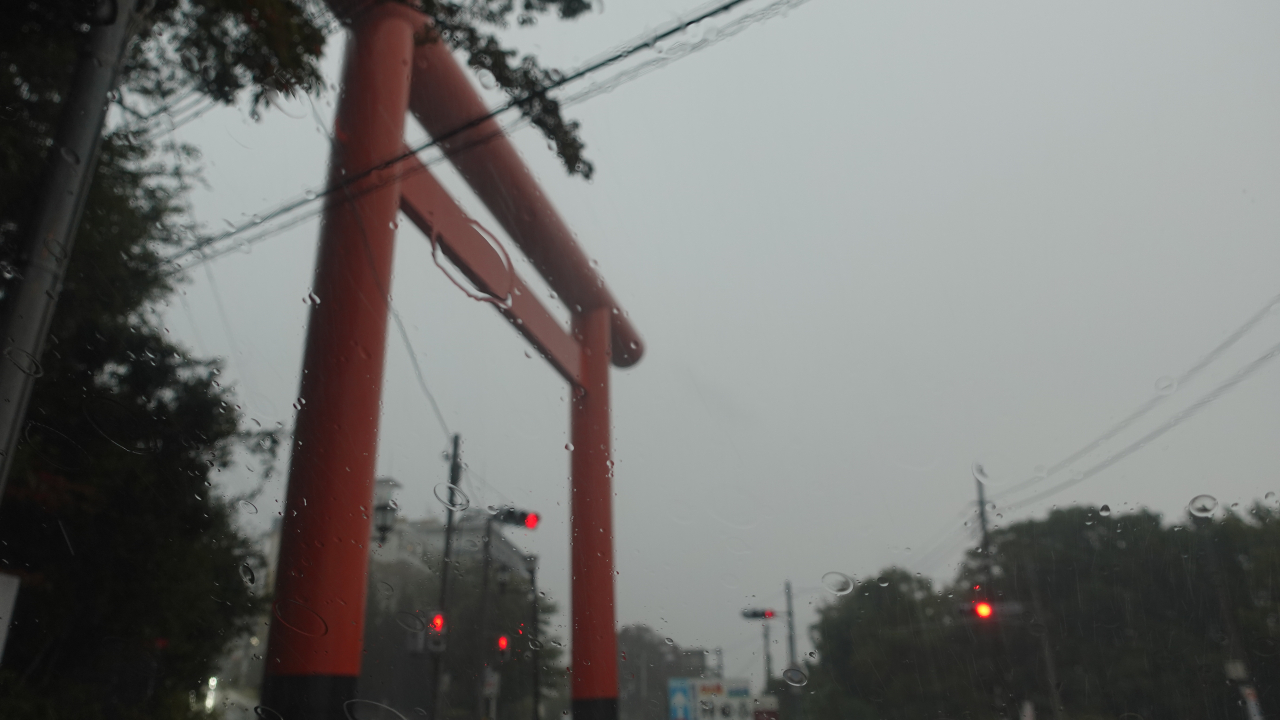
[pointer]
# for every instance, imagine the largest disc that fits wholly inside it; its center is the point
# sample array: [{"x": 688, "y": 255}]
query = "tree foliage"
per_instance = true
[
  {"x": 462, "y": 25},
  {"x": 131, "y": 566},
  {"x": 1129, "y": 611}
]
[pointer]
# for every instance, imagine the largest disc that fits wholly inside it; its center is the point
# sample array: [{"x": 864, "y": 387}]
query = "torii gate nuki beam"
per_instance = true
[{"x": 316, "y": 638}]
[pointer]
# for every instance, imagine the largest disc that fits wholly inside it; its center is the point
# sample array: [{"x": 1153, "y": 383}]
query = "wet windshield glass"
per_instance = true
[{"x": 752, "y": 360}]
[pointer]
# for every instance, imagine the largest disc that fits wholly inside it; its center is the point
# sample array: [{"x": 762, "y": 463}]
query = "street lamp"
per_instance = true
[{"x": 384, "y": 506}]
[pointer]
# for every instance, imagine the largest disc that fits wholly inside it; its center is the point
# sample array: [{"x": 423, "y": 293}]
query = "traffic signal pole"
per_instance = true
[
  {"x": 535, "y": 644},
  {"x": 316, "y": 636},
  {"x": 768, "y": 658},
  {"x": 486, "y": 649},
  {"x": 791, "y": 630}
]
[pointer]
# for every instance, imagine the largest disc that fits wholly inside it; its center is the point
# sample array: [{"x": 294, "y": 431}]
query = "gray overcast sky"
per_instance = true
[{"x": 868, "y": 244}]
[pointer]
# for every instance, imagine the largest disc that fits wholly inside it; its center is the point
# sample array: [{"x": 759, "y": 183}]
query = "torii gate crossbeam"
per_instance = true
[{"x": 316, "y": 638}]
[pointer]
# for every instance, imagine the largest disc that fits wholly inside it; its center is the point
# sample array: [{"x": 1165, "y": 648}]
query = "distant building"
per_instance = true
[
  {"x": 404, "y": 594},
  {"x": 647, "y": 661}
]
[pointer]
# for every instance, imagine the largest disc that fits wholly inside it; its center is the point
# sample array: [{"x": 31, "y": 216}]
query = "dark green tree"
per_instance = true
[
  {"x": 1130, "y": 617},
  {"x": 134, "y": 576},
  {"x": 895, "y": 648}
]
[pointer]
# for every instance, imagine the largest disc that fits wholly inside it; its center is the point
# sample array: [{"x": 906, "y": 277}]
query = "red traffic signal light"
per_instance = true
[
  {"x": 503, "y": 642},
  {"x": 768, "y": 613},
  {"x": 983, "y": 609},
  {"x": 512, "y": 516},
  {"x": 437, "y": 623},
  {"x": 757, "y": 614}
]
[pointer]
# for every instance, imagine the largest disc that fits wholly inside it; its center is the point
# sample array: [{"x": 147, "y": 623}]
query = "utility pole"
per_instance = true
[
  {"x": 720, "y": 663},
  {"x": 72, "y": 160},
  {"x": 982, "y": 518},
  {"x": 791, "y": 630},
  {"x": 455, "y": 476},
  {"x": 485, "y": 650},
  {"x": 764, "y": 615}
]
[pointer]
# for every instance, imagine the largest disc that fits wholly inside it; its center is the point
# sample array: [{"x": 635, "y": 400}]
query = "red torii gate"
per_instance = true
[{"x": 316, "y": 638}]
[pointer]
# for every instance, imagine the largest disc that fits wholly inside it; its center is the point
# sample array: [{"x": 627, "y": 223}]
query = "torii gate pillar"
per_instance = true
[{"x": 316, "y": 638}]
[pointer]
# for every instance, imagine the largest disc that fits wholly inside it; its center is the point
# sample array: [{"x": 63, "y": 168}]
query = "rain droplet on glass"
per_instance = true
[
  {"x": 1203, "y": 505},
  {"x": 457, "y": 502},
  {"x": 795, "y": 677},
  {"x": 837, "y": 583},
  {"x": 980, "y": 473}
]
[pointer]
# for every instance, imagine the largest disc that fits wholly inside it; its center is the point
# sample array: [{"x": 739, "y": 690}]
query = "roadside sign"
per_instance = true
[
  {"x": 681, "y": 699},
  {"x": 724, "y": 699}
]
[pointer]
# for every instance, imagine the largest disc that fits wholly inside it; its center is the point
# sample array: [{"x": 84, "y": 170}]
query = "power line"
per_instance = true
[
  {"x": 1150, "y": 404},
  {"x": 1174, "y": 421},
  {"x": 645, "y": 43},
  {"x": 417, "y": 370},
  {"x": 942, "y": 540},
  {"x": 404, "y": 334}
]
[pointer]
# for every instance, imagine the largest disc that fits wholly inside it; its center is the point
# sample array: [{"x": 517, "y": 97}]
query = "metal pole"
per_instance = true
[
  {"x": 485, "y": 650},
  {"x": 595, "y": 639},
  {"x": 72, "y": 159},
  {"x": 535, "y": 645},
  {"x": 446, "y": 560},
  {"x": 768, "y": 659},
  {"x": 982, "y": 517},
  {"x": 317, "y": 631},
  {"x": 791, "y": 630}
]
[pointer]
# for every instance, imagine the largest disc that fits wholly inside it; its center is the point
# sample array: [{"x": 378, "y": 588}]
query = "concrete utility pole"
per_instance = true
[
  {"x": 982, "y": 515},
  {"x": 28, "y": 310},
  {"x": 446, "y": 558},
  {"x": 791, "y": 630}
]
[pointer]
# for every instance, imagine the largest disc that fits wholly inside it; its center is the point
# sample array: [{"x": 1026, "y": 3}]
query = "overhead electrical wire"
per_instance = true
[
  {"x": 944, "y": 539},
  {"x": 1177, "y": 419},
  {"x": 1263, "y": 312},
  {"x": 646, "y": 42}
]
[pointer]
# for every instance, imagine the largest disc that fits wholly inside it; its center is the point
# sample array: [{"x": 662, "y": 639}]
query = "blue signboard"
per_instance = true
[{"x": 681, "y": 699}]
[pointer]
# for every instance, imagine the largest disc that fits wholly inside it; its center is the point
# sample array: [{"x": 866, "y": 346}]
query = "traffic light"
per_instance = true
[
  {"x": 436, "y": 633},
  {"x": 757, "y": 614},
  {"x": 989, "y": 611},
  {"x": 504, "y": 648},
  {"x": 512, "y": 516}
]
